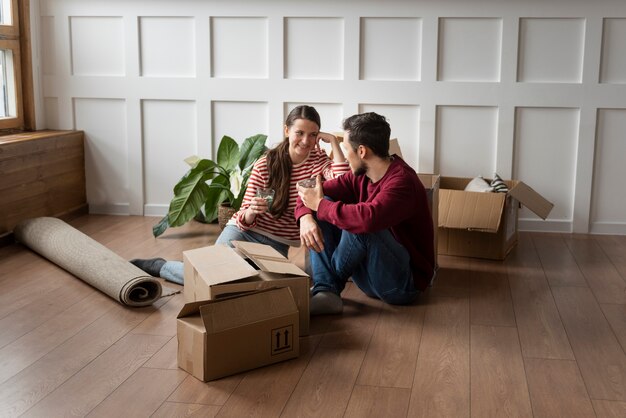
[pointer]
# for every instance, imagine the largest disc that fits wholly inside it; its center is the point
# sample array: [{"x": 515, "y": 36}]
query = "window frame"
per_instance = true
[{"x": 16, "y": 38}]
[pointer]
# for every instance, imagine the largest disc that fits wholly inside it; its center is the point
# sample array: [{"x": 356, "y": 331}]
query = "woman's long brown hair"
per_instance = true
[{"x": 279, "y": 162}]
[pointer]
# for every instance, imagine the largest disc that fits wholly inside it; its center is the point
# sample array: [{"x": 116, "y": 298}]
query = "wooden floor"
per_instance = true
[{"x": 542, "y": 334}]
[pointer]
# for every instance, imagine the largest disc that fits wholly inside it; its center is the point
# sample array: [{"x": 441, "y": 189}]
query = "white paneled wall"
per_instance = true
[
  {"x": 401, "y": 62},
  {"x": 479, "y": 62},
  {"x": 239, "y": 47},
  {"x": 546, "y": 141},
  {"x": 105, "y": 153},
  {"x": 167, "y": 46},
  {"x": 164, "y": 138},
  {"x": 531, "y": 89},
  {"x": 98, "y": 55},
  {"x": 467, "y": 140}
]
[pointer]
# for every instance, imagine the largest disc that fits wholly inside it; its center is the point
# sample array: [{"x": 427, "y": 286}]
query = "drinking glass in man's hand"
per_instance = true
[{"x": 308, "y": 183}]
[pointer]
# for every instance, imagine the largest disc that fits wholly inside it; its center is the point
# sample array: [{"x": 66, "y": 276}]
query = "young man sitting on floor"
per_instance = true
[{"x": 372, "y": 224}]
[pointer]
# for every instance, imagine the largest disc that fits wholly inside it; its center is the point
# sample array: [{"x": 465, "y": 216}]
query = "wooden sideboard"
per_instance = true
[{"x": 42, "y": 173}]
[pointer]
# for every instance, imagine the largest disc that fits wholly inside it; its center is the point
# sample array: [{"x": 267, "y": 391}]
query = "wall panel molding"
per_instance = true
[{"x": 503, "y": 84}]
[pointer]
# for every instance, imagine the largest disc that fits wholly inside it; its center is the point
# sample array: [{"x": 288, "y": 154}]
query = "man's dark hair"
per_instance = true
[{"x": 371, "y": 130}]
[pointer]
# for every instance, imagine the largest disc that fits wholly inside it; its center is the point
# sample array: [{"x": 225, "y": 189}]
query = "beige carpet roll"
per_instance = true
[{"x": 90, "y": 261}]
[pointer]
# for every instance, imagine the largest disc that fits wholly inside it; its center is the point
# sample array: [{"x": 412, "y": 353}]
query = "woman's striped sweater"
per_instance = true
[{"x": 285, "y": 229}]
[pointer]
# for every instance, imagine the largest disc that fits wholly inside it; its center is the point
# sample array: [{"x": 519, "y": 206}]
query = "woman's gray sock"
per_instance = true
[{"x": 152, "y": 266}]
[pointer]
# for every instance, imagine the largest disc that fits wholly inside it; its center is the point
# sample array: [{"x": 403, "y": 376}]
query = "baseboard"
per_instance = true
[
  {"x": 110, "y": 209},
  {"x": 538, "y": 225},
  {"x": 155, "y": 210},
  {"x": 608, "y": 228}
]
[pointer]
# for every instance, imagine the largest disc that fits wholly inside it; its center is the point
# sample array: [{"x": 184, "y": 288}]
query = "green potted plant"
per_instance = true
[{"x": 209, "y": 184}]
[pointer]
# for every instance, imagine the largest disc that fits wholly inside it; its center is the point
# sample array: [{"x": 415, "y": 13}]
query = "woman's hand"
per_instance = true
[
  {"x": 326, "y": 137},
  {"x": 310, "y": 234},
  {"x": 331, "y": 139},
  {"x": 258, "y": 205}
]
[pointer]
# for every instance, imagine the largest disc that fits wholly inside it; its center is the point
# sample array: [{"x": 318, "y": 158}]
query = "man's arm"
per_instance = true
[
  {"x": 309, "y": 198},
  {"x": 395, "y": 202}
]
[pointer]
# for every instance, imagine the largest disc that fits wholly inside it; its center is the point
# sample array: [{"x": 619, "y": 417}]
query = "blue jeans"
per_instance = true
[
  {"x": 232, "y": 233},
  {"x": 378, "y": 264},
  {"x": 173, "y": 271}
]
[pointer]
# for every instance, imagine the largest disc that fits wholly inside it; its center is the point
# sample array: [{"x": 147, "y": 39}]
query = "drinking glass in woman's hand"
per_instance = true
[{"x": 267, "y": 194}]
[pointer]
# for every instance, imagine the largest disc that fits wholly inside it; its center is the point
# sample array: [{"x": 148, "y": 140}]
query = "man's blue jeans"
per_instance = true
[{"x": 378, "y": 264}]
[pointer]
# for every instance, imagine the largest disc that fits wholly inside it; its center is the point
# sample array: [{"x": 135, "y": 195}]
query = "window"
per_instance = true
[{"x": 11, "y": 66}]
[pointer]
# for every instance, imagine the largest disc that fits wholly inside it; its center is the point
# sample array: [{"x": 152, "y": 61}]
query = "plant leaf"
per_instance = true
[
  {"x": 190, "y": 194},
  {"x": 205, "y": 167},
  {"x": 218, "y": 193},
  {"x": 236, "y": 203},
  {"x": 192, "y": 160},
  {"x": 228, "y": 153},
  {"x": 251, "y": 149},
  {"x": 160, "y": 228}
]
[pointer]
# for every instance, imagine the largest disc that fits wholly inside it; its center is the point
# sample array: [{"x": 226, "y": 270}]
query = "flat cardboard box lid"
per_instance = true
[
  {"x": 531, "y": 199},
  {"x": 267, "y": 258},
  {"x": 219, "y": 264},
  {"x": 470, "y": 210},
  {"x": 232, "y": 312}
]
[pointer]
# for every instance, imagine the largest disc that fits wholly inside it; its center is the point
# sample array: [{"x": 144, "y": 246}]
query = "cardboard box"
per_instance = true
[
  {"x": 218, "y": 271},
  {"x": 217, "y": 338},
  {"x": 483, "y": 225}
]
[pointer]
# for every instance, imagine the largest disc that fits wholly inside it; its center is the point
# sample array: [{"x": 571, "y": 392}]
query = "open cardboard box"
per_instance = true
[
  {"x": 217, "y": 271},
  {"x": 217, "y": 338},
  {"x": 483, "y": 225}
]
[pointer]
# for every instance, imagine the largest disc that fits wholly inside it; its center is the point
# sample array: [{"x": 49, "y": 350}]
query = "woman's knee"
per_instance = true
[{"x": 228, "y": 234}]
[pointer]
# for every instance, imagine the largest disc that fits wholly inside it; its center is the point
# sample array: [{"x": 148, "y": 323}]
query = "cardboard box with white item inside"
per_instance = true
[
  {"x": 218, "y": 338},
  {"x": 483, "y": 224},
  {"x": 217, "y": 271}
]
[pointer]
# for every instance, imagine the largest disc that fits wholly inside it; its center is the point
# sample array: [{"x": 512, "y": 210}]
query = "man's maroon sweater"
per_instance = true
[{"x": 397, "y": 202}]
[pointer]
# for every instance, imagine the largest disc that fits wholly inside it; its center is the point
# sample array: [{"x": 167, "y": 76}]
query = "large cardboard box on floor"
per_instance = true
[
  {"x": 217, "y": 338},
  {"x": 483, "y": 224},
  {"x": 218, "y": 271}
]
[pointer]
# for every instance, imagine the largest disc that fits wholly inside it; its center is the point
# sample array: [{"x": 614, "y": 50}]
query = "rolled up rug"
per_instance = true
[{"x": 90, "y": 261}]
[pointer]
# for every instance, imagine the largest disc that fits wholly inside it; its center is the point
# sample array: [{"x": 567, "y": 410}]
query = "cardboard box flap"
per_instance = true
[
  {"x": 191, "y": 308},
  {"x": 267, "y": 258},
  {"x": 231, "y": 312},
  {"x": 429, "y": 180},
  {"x": 219, "y": 264},
  {"x": 531, "y": 199},
  {"x": 470, "y": 210},
  {"x": 394, "y": 147},
  {"x": 454, "y": 183}
]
